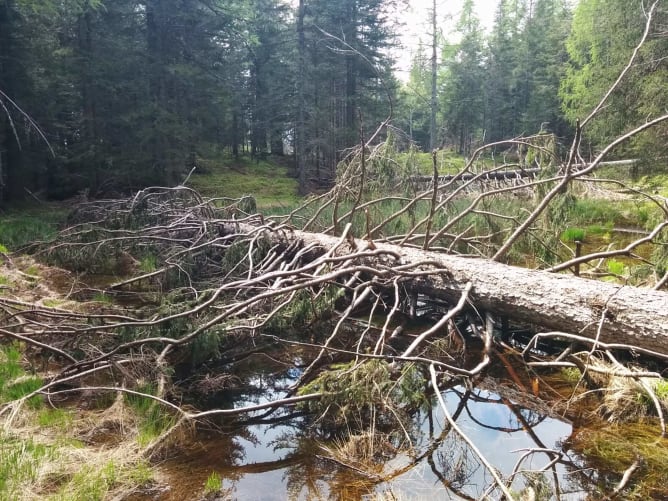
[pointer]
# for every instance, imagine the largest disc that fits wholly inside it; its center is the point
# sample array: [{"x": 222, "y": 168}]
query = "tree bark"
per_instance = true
[{"x": 554, "y": 302}]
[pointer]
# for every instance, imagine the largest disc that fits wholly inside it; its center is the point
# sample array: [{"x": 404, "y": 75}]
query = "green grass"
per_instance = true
[
  {"x": 14, "y": 382},
  {"x": 56, "y": 418},
  {"x": 19, "y": 464},
  {"x": 573, "y": 235},
  {"x": 21, "y": 226},
  {"x": 268, "y": 182},
  {"x": 153, "y": 418},
  {"x": 213, "y": 483},
  {"x": 148, "y": 263},
  {"x": 447, "y": 162},
  {"x": 101, "y": 297},
  {"x": 94, "y": 483}
]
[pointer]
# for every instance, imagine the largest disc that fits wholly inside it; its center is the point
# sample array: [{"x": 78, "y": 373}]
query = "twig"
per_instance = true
[{"x": 443, "y": 321}]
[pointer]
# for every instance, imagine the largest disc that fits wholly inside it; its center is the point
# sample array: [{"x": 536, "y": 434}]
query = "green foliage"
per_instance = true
[
  {"x": 603, "y": 36},
  {"x": 463, "y": 93},
  {"x": 206, "y": 346},
  {"x": 354, "y": 391}
]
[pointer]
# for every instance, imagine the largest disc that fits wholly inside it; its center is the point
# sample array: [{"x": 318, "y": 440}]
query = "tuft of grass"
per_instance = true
[
  {"x": 14, "y": 383},
  {"x": 21, "y": 387},
  {"x": 153, "y": 418},
  {"x": 573, "y": 235},
  {"x": 148, "y": 263},
  {"x": 93, "y": 482},
  {"x": 101, "y": 297},
  {"x": 616, "y": 267},
  {"x": 55, "y": 418},
  {"x": 571, "y": 374},
  {"x": 53, "y": 302},
  {"x": 213, "y": 483},
  {"x": 19, "y": 464}
]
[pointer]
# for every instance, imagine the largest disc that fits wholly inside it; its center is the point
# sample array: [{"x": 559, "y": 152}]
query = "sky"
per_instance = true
[{"x": 417, "y": 25}]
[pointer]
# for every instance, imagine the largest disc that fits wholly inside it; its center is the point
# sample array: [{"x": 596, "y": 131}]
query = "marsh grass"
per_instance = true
[
  {"x": 14, "y": 382},
  {"x": 54, "y": 454},
  {"x": 614, "y": 448},
  {"x": 54, "y": 417},
  {"x": 20, "y": 463},
  {"x": 573, "y": 235},
  {"x": 213, "y": 483},
  {"x": 43, "y": 460}
]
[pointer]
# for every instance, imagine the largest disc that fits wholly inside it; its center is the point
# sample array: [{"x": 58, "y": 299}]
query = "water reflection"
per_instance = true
[{"x": 290, "y": 458}]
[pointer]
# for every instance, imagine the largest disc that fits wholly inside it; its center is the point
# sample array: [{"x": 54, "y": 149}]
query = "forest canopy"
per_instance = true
[{"x": 102, "y": 96}]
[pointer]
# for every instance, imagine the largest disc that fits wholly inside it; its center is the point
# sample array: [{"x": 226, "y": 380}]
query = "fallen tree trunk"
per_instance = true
[
  {"x": 487, "y": 176},
  {"x": 611, "y": 313}
]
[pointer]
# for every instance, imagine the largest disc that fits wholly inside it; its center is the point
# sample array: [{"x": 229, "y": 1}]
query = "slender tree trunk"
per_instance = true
[
  {"x": 157, "y": 82},
  {"x": 434, "y": 69},
  {"x": 300, "y": 130},
  {"x": 89, "y": 130}
]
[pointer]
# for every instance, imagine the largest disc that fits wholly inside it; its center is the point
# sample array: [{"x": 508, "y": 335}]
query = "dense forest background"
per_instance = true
[{"x": 103, "y": 96}]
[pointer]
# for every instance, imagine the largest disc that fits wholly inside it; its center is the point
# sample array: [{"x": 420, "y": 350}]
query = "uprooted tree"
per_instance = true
[{"x": 206, "y": 280}]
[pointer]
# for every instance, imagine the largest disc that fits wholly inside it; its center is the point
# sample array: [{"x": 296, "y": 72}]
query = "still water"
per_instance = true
[{"x": 284, "y": 459}]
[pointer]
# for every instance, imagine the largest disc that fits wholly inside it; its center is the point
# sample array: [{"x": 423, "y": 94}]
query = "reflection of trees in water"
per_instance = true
[
  {"x": 375, "y": 455},
  {"x": 372, "y": 451}
]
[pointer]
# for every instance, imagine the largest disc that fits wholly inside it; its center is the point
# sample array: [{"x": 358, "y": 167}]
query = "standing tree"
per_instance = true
[
  {"x": 346, "y": 69},
  {"x": 507, "y": 69},
  {"x": 604, "y": 33},
  {"x": 464, "y": 85},
  {"x": 545, "y": 36}
]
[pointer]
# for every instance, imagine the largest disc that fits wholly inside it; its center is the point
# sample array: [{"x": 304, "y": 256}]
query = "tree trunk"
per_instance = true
[
  {"x": 434, "y": 70},
  {"x": 300, "y": 129},
  {"x": 550, "y": 301}
]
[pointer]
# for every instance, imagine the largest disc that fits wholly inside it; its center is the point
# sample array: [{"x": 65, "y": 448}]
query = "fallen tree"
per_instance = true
[{"x": 608, "y": 312}]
